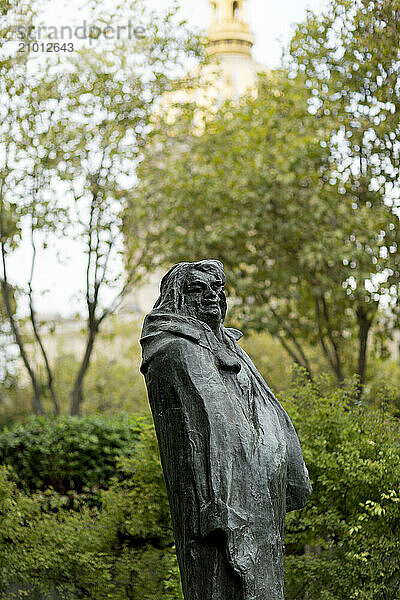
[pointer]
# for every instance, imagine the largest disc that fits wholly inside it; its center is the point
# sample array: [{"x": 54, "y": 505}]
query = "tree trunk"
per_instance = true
[
  {"x": 304, "y": 364},
  {"x": 364, "y": 326},
  {"x": 77, "y": 392},
  {"x": 50, "y": 378},
  {"x": 332, "y": 354},
  {"x": 36, "y": 400}
]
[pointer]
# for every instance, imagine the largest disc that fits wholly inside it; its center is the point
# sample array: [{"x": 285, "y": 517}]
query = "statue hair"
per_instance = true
[{"x": 172, "y": 298}]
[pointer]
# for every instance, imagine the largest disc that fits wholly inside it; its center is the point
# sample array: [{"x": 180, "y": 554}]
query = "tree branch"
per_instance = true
[
  {"x": 291, "y": 352},
  {"x": 37, "y": 404},
  {"x": 36, "y": 401},
  {"x": 130, "y": 281},
  {"x": 336, "y": 367},
  {"x": 92, "y": 293},
  {"x": 332, "y": 340},
  {"x": 304, "y": 361},
  {"x": 50, "y": 377}
]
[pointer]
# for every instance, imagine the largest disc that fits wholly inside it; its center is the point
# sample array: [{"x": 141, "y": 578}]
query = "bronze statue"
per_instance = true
[{"x": 231, "y": 457}]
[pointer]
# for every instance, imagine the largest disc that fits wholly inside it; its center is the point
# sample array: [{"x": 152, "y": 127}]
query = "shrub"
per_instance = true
[
  {"x": 345, "y": 544},
  {"x": 68, "y": 453},
  {"x": 123, "y": 550}
]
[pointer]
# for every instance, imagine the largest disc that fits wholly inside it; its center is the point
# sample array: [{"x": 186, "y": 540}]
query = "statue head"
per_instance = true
[{"x": 195, "y": 290}]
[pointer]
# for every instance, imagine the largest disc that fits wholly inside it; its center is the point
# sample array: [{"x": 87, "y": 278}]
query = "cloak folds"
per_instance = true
[{"x": 231, "y": 458}]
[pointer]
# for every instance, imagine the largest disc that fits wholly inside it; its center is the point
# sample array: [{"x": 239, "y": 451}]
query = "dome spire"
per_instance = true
[{"x": 229, "y": 32}]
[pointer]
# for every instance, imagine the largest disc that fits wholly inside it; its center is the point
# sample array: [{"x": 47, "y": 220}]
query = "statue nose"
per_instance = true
[{"x": 210, "y": 293}]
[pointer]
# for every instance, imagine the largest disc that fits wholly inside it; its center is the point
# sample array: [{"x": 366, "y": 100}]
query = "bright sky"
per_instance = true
[
  {"x": 272, "y": 23},
  {"x": 271, "y": 20}
]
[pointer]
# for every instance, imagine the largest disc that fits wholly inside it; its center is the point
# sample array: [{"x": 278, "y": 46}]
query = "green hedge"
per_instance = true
[
  {"x": 68, "y": 453},
  {"x": 122, "y": 549},
  {"x": 345, "y": 544}
]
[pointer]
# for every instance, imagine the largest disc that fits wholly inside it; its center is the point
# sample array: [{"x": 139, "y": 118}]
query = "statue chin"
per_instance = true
[{"x": 211, "y": 317}]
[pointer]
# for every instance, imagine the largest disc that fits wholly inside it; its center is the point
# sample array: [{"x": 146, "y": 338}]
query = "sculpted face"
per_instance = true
[{"x": 202, "y": 297}]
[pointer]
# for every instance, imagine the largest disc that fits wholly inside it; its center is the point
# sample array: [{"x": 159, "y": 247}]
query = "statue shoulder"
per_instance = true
[
  {"x": 170, "y": 349},
  {"x": 236, "y": 334}
]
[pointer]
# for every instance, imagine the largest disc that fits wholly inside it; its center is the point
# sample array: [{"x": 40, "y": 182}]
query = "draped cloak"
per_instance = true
[{"x": 231, "y": 458}]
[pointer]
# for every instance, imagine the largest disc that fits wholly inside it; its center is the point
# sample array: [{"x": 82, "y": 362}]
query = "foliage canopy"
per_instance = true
[{"x": 295, "y": 190}]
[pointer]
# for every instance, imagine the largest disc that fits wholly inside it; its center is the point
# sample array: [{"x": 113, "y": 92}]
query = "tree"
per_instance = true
[
  {"x": 349, "y": 61},
  {"x": 258, "y": 189},
  {"x": 13, "y": 79},
  {"x": 75, "y": 138},
  {"x": 112, "y": 96}
]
